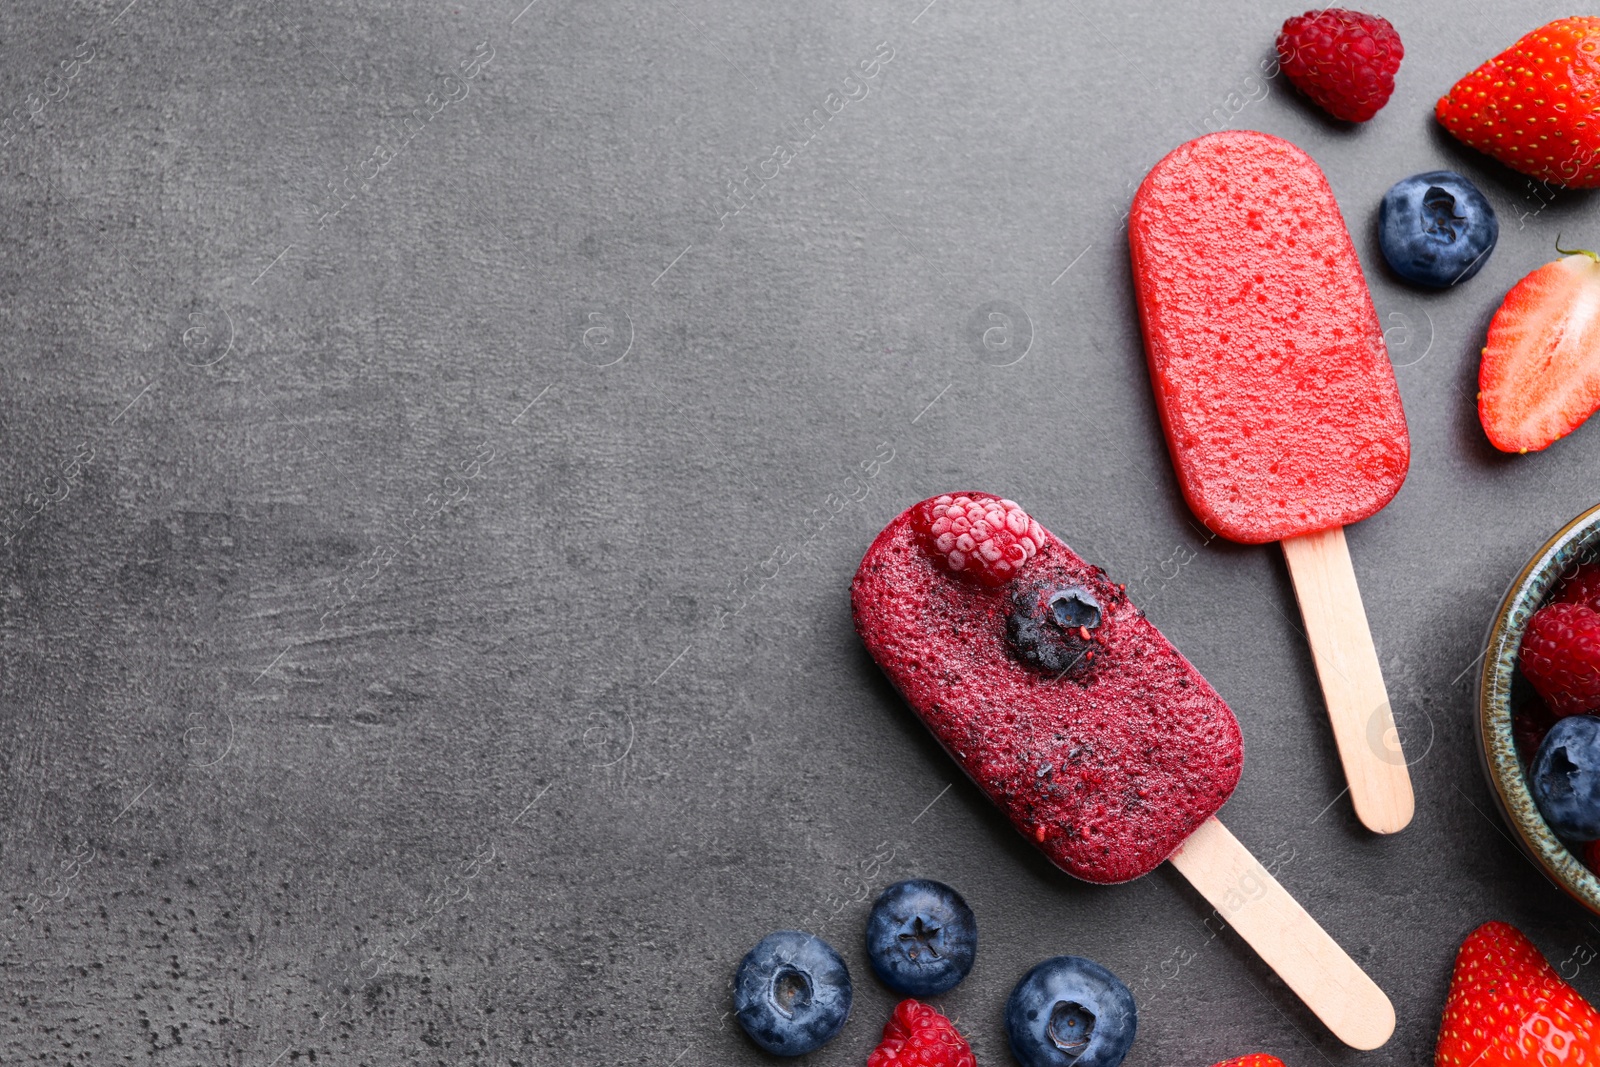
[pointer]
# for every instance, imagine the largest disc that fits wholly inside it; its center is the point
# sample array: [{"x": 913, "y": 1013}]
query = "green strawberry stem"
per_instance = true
[{"x": 1575, "y": 251}]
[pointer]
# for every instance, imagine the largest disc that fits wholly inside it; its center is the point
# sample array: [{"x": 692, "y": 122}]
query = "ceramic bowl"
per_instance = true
[{"x": 1499, "y": 688}]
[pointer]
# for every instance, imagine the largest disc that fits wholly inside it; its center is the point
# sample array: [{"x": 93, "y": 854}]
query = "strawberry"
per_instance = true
[
  {"x": 1536, "y": 106},
  {"x": 919, "y": 1036},
  {"x": 1560, "y": 655},
  {"x": 1345, "y": 61},
  {"x": 1255, "y": 1059},
  {"x": 1540, "y": 375},
  {"x": 1508, "y": 1008}
]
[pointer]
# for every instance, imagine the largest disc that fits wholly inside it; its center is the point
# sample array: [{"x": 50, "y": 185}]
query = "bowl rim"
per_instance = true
[{"x": 1575, "y": 543}]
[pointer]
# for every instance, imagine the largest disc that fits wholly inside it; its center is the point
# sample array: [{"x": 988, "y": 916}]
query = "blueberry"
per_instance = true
[
  {"x": 791, "y": 993},
  {"x": 921, "y": 937},
  {"x": 1436, "y": 229},
  {"x": 1069, "y": 1010},
  {"x": 1049, "y": 626},
  {"x": 1565, "y": 778}
]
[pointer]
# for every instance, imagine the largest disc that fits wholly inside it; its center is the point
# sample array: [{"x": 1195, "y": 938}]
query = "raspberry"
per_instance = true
[
  {"x": 1582, "y": 588},
  {"x": 918, "y": 1036},
  {"x": 1529, "y": 724},
  {"x": 1345, "y": 61},
  {"x": 1561, "y": 657},
  {"x": 979, "y": 534}
]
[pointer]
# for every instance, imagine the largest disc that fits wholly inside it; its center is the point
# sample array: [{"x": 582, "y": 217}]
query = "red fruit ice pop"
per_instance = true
[
  {"x": 1092, "y": 733},
  {"x": 1279, "y": 402}
]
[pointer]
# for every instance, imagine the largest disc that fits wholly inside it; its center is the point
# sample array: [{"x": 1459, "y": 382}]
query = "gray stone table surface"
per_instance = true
[{"x": 437, "y": 442}]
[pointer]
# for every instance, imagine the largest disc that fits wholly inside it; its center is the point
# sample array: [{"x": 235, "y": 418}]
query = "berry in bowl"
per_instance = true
[{"x": 1539, "y": 708}]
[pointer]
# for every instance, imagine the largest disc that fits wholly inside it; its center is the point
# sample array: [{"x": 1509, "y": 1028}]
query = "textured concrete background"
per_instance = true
[{"x": 424, "y": 616}]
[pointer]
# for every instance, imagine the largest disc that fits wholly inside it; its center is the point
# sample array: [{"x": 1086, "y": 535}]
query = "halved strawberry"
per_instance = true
[
  {"x": 1255, "y": 1059},
  {"x": 1509, "y": 1008},
  {"x": 1540, "y": 376},
  {"x": 1536, "y": 106}
]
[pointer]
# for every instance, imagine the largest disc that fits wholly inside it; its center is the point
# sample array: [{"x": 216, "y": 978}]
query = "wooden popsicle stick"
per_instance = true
[
  {"x": 1352, "y": 680},
  {"x": 1289, "y": 940}
]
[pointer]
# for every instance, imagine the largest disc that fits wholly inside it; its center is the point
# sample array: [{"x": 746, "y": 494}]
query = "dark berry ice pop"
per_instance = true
[
  {"x": 1099, "y": 741},
  {"x": 1278, "y": 400}
]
